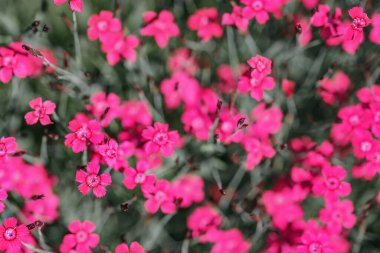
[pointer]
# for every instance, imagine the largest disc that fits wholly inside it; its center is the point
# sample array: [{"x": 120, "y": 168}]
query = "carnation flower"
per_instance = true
[{"x": 41, "y": 112}]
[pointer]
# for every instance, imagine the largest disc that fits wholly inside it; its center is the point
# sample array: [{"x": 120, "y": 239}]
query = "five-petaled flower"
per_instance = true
[
  {"x": 160, "y": 196},
  {"x": 41, "y": 112},
  {"x": 139, "y": 176},
  {"x": 12, "y": 236},
  {"x": 81, "y": 239},
  {"x": 8, "y": 146}
]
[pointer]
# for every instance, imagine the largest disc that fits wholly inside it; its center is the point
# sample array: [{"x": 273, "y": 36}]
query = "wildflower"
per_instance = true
[
  {"x": 338, "y": 215},
  {"x": 182, "y": 61},
  {"x": 160, "y": 196},
  {"x": 374, "y": 36},
  {"x": 257, "y": 9},
  {"x": 109, "y": 152},
  {"x": 202, "y": 220},
  {"x": 91, "y": 180},
  {"x": 205, "y": 22},
  {"x": 188, "y": 189},
  {"x": 8, "y": 146},
  {"x": 117, "y": 46},
  {"x": 360, "y": 20},
  {"x": 138, "y": 176},
  {"x": 315, "y": 240},
  {"x": 11, "y": 235},
  {"x": 102, "y": 24},
  {"x": 75, "y": 5},
  {"x": 81, "y": 239},
  {"x": 104, "y": 107},
  {"x": 236, "y": 18},
  {"x": 334, "y": 89},
  {"x": 229, "y": 241},
  {"x": 41, "y": 112}
]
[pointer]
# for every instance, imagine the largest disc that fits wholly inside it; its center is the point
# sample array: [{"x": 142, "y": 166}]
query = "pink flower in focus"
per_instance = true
[
  {"x": 139, "y": 176},
  {"x": 202, "y": 220},
  {"x": 161, "y": 27},
  {"x": 118, "y": 46},
  {"x": 160, "y": 139},
  {"x": 83, "y": 130},
  {"x": 110, "y": 152},
  {"x": 188, "y": 190},
  {"x": 75, "y": 5},
  {"x": 236, "y": 18},
  {"x": 102, "y": 24},
  {"x": 257, "y": 9},
  {"x": 3, "y": 196},
  {"x": 363, "y": 143},
  {"x": 91, "y": 180},
  {"x": 261, "y": 66},
  {"x": 41, "y": 113},
  {"x": 8, "y": 146},
  {"x": 255, "y": 86},
  {"x": 331, "y": 184},
  {"x": 338, "y": 215},
  {"x": 360, "y": 20},
  {"x": 81, "y": 239},
  {"x": 205, "y": 22},
  {"x": 11, "y": 235},
  {"x": 134, "y": 248},
  {"x": 161, "y": 195}
]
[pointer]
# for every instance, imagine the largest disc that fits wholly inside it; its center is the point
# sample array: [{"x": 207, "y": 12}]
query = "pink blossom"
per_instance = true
[
  {"x": 202, "y": 220},
  {"x": 369, "y": 94},
  {"x": 109, "y": 151},
  {"x": 331, "y": 184},
  {"x": 3, "y": 196},
  {"x": 41, "y": 112},
  {"x": 261, "y": 66},
  {"x": 334, "y": 89},
  {"x": 375, "y": 127},
  {"x": 160, "y": 139},
  {"x": 267, "y": 120},
  {"x": 306, "y": 33},
  {"x": 338, "y": 215},
  {"x": 310, "y": 4},
  {"x": 134, "y": 248},
  {"x": 139, "y": 176},
  {"x": 315, "y": 240},
  {"x": 135, "y": 112},
  {"x": 161, "y": 27},
  {"x": 360, "y": 20},
  {"x": 228, "y": 77},
  {"x": 188, "y": 189},
  {"x": 91, "y": 180},
  {"x": 182, "y": 60},
  {"x": 256, "y": 151},
  {"x": 161, "y": 195},
  {"x": 118, "y": 46},
  {"x": 81, "y": 239},
  {"x": 104, "y": 107},
  {"x": 374, "y": 36},
  {"x": 363, "y": 143},
  {"x": 14, "y": 61},
  {"x": 229, "y": 241},
  {"x": 355, "y": 117},
  {"x": 257, "y": 9},
  {"x": 11, "y": 235},
  {"x": 102, "y": 24},
  {"x": 84, "y": 130},
  {"x": 75, "y": 5},
  {"x": 256, "y": 86},
  {"x": 197, "y": 123},
  {"x": 8, "y": 146},
  {"x": 205, "y": 22},
  {"x": 236, "y": 18},
  {"x": 288, "y": 87}
]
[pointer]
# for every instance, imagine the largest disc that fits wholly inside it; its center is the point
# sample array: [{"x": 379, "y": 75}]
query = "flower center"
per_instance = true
[
  {"x": 40, "y": 111},
  {"x": 332, "y": 183},
  {"x": 204, "y": 21},
  {"x": 257, "y": 5},
  {"x": 366, "y": 146},
  {"x": 140, "y": 178},
  {"x": 83, "y": 134},
  {"x": 160, "y": 196},
  {"x": 3, "y": 149},
  {"x": 10, "y": 234},
  {"x": 92, "y": 180},
  {"x": 102, "y": 25},
  {"x": 337, "y": 216},
  {"x": 160, "y": 138},
  {"x": 111, "y": 153},
  {"x": 359, "y": 23},
  {"x": 254, "y": 82},
  {"x": 354, "y": 120},
  {"x": 227, "y": 127},
  {"x": 377, "y": 117},
  {"x": 315, "y": 248},
  {"x": 7, "y": 61},
  {"x": 81, "y": 236},
  {"x": 260, "y": 66}
]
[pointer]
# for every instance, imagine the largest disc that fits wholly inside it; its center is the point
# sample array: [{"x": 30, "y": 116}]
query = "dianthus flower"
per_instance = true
[
  {"x": 161, "y": 195},
  {"x": 236, "y": 18},
  {"x": 360, "y": 20},
  {"x": 75, "y": 5},
  {"x": 188, "y": 189},
  {"x": 257, "y": 9},
  {"x": 41, "y": 112},
  {"x": 137, "y": 176},
  {"x": 338, "y": 215},
  {"x": 104, "y": 107},
  {"x": 8, "y": 146},
  {"x": 202, "y": 220},
  {"x": 11, "y": 235},
  {"x": 205, "y": 22},
  {"x": 81, "y": 239},
  {"x": 102, "y": 24}
]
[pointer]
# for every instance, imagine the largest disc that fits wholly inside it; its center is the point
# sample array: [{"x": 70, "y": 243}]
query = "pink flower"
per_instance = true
[
  {"x": 331, "y": 184},
  {"x": 375, "y": 127},
  {"x": 338, "y": 215},
  {"x": 83, "y": 130},
  {"x": 369, "y": 94},
  {"x": 161, "y": 27},
  {"x": 183, "y": 61},
  {"x": 261, "y": 66},
  {"x": 160, "y": 196},
  {"x": 117, "y": 46},
  {"x": 41, "y": 113},
  {"x": 11, "y": 235},
  {"x": 229, "y": 241},
  {"x": 267, "y": 120},
  {"x": 75, "y": 5},
  {"x": 310, "y": 4},
  {"x": 109, "y": 152},
  {"x": 197, "y": 123},
  {"x": 288, "y": 87},
  {"x": 188, "y": 189},
  {"x": 104, "y": 107},
  {"x": 256, "y": 9},
  {"x": 360, "y": 20},
  {"x": 81, "y": 239},
  {"x": 374, "y": 36},
  {"x": 138, "y": 176},
  {"x": 91, "y": 180},
  {"x": 315, "y": 240},
  {"x": 160, "y": 139},
  {"x": 256, "y": 86},
  {"x": 102, "y": 24},
  {"x": 134, "y": 248},
  {"x": 236, "y": 18},
  {"x": 14, "y": 61},
  {"x": 256, "y": 151},
  {"x": 3, "y": 196},
  {"x": 8, "y": 146},
  {"x": 205, "y": 22},
  {"x": 135, "y": 112},
  {"x": 363, "y": 143},
  {"x": 355, "y": 117},
  {"x": 334, "y": 89},
  {"x": 202, "y": 220},
  {"x": 321, "y": 16}
]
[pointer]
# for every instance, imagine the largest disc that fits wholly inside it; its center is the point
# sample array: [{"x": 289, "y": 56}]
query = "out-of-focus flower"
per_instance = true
[
  {"x": 205, "y": 22},
  {"x": 75, "y": 5}
]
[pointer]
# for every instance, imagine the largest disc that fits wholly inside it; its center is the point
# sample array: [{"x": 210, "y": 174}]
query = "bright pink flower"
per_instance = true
[
  {"x": 202, "y": 220},
  {"x": 14, "y": 61},
  {"x": 135, "y": 112},
  {"x": 117, "y": 46},
  {"x": 188, "y": 190},
  {"x": 374, "y": 36},
  {"x": 321, "y": 16},
  {"x": 261, "y": 66},
  {"x": 91, "y": 180},
  {"x": 331, "y": 184},
  {"x": 228, "y": 77},
  {"x": 8, "y": 146},
  {"x": 310, "y": 4},
  {"x": 11, "y": 235},
  {"x": 338, "y": 215},
  {"x": 183, "y": 61},
  {"x": 267, "y": 120},
  {"x": 102, "y": 24},
  {"x": 315, "y": 241},
  {"x": 41, "y": 113},
  {"x": 256, "y": 9},
  {"x": 160, "y": 139},
  {"x": 229, "y": 241},
  {"x": 81, "y": 239},
  {"x": 3, "y": 196},
  {"x": 355, "y": 117},
  {"x": 367, "y": 170},
  {"x": 236, "y": 18},
  {"x": 197, "y": 123},
  {"x": 360, "y": 20},
  {"x": 84, "y": 130},
  {"x": 227, "y": 129},
  {"x": 256, "y": 86},
  {"x": 161, "y": 27},
  {"x": 104, "y": 107},
  {"x": 288, "y": 87},
  {"x": 205, "y": 22},
  {"x": 375, "y": 127},
  {"x": 306, "y": 33},
  {"x": 256, "y": 151},
  {"x": 109, "y": 152},
  {"x": 161, "y": 195},
  {"x": 370, "y": 94},
  {"x": 363, "y": 143},
  {"x": 334, "y": 89},
  {"x": 75, "y": 5},
  {"x": 137, "y": 176},
  {"x": 134, "y": 248}
]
